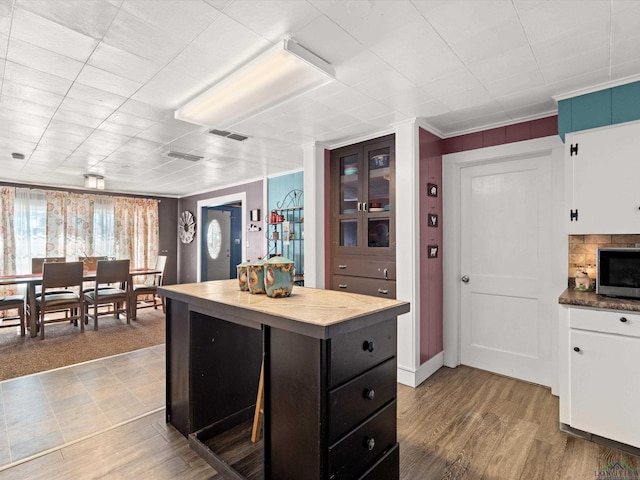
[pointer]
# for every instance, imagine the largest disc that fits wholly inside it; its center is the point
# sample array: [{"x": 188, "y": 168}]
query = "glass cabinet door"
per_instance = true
[
  {"x": 349, "y": 200},
  {"x": 378, "y": 198}
]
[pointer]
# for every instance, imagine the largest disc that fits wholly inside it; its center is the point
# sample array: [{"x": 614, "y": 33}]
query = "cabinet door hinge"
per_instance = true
[
  {"x": 573, "y": 215},
  {"x": 573, "y": 149}
]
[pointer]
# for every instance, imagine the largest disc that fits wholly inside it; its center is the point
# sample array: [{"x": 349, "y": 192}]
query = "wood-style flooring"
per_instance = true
[{"x": 461, "y": 423}]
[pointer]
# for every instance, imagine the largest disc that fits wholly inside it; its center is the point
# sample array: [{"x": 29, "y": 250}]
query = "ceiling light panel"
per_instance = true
[{"x": 283, "y": 72}]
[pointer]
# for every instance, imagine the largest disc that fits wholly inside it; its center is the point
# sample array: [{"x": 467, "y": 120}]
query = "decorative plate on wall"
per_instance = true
[{"x": 186, "y": 227}]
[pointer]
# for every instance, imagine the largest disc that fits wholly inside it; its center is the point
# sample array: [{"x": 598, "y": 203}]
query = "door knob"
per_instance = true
[{"x": 465, "y": 278}]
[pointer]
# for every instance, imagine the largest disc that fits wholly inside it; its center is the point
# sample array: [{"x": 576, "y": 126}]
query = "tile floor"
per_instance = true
[{"x": 50, "y": 409}]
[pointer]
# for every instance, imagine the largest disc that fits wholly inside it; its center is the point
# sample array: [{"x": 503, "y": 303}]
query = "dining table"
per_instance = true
[{"x": 33, "y": 279}]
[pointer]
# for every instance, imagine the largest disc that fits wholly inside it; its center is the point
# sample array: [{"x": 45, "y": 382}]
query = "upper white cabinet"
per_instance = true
[{"x": 603, "y": 171}]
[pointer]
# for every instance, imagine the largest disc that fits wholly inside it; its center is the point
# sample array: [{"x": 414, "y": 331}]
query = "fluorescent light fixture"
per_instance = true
[
  {"x": 93, "y": 181},
  {"x": 283, "y": 72}
]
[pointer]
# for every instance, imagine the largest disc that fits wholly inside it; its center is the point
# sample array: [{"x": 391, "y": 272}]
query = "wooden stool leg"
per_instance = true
[{"x": 259, "y": 413}]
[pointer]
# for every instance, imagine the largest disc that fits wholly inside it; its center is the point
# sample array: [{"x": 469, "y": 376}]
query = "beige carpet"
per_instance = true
[{"x": 65, "y": 345}]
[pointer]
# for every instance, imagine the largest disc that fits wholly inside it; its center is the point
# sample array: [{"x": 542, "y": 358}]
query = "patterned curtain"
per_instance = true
[
  {"x": 7, "y": 237},
  {"x": 29, "y": 226},
  {"x": 136, "y": 230},
  {"x": 79, "y": 226},
  {"x": 56, "y": 215}
]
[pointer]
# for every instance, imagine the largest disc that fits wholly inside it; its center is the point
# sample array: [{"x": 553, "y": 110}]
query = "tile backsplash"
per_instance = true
[{"x": 582, "y": 250}]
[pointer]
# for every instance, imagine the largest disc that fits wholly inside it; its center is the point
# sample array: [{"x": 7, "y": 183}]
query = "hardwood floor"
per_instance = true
[
  {"x": 460, "y": 424},
  {"x": 469, "y": 424}
]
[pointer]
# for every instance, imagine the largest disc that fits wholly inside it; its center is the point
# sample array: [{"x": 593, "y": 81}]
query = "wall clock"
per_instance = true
[{"x": 186, "y": 227}]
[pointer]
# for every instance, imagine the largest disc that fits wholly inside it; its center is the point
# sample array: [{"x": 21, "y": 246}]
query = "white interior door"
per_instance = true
[{"x": 505, "y": 240}]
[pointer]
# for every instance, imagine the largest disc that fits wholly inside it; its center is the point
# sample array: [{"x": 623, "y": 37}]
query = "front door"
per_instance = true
[
  {"x": 505, "y": 239},
  {"x": 217, "y": 244}
]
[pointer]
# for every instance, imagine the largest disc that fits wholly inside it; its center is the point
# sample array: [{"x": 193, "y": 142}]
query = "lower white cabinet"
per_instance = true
[{"x": 600, "y": 391}]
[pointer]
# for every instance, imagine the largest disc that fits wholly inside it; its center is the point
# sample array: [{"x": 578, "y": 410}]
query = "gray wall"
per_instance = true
[{"x": 188, "y": 252}]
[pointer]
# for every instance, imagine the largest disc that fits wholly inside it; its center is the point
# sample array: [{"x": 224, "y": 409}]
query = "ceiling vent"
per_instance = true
[
  {"x": 184, "y": 156},
  {"x": 226, "y": 134}
]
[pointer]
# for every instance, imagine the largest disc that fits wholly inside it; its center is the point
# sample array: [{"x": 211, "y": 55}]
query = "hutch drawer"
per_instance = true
[
  {"x": 365, "y": 286},
  {"x": 356, "y": 266}
]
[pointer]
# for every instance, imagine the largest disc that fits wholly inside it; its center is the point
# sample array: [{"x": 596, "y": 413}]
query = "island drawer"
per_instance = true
[
  {"x": 366, "y": 286},
  {"x": 385, "y": 468},
  {"x": 354, "y": 401},
  {"x": 352, "y": 454},
  {"x": 359, "y": 267},
  {"x": 606, "y": 321},
  {"x": 355, "y": 352}
]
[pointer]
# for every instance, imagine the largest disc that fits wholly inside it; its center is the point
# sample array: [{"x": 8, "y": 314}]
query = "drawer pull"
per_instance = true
[
  {"x": 368, "y": 346},
  {"x": 369, "y": 394},
  {"x": 370, "y": 443},
  {"x": 386, "y": 274},
  {"x": 383, "y": 291},
  {"x": 623, "y": 319},
  {"x": 342, "y": 285},
  {"x": 576, "y": 349},
  {"x": 342, "y": 266}
]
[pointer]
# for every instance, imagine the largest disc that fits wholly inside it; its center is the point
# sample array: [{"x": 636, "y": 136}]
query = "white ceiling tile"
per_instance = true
[
  {"x": 170, "y": 89},
  {"x": 123, "y": 63},
  {"x": 19, "y": 105},
  {"x": 577, "y": 65},
  {"x": 5, "y": 16},
  {"x": 459, "y": 21},
  {"x": 547, "y": 20},
  {"x": 72, "y": 105},
  {"x": 44, "y": 33},
  {"x": 77, "y": 118},
  {"x": 491, "y": 42},
  {"x": 89, "y": 17},
  {"x": 108, "y": 82},
  {"x": 426, "y": 109},
  {"x": 369, "y": 22},
  {"x": 36, "y": 79},
  {"x": 625, "y": 69},
  {"x": 95, "y": 96},
  {"x": 66, "y": 127},
  {"x": 273, "y": 19},
  {"x": 43, "y": 60},
  {"x": 505, "y": 64},
  {"x": 328, "y": 40},
  {"x": 27, "y": 93},
  {"x": 521, "y": 81}
]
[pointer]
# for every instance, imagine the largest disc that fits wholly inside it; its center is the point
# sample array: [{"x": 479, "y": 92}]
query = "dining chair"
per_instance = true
[
  {"x": 36, "y": 267},
  {"x": 90, "y": 265},
  {"x": 13, "y": 302},
  {"x": 55, "y": 276},
  {"x": 149, "y": 289},
  {"x": 116, "y": 273}
]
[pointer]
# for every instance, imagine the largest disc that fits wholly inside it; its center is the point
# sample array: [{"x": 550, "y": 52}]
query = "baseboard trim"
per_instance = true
[{"x": 413, "y": 378}]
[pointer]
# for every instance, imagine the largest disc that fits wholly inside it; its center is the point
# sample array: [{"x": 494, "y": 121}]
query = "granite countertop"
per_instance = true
[
  {"x": 593, "y": 300},
  {"x": 310, "y": 311}
]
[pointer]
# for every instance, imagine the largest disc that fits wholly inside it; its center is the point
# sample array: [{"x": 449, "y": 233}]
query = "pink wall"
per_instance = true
[
  {"x": 543, "y": 127},
  {"x": 430, "y": 268}
]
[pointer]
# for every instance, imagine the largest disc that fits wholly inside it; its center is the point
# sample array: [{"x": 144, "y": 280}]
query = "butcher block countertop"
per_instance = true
[
  {"x": 309, "y": 311},
  {"x": 591, "y": 299}
]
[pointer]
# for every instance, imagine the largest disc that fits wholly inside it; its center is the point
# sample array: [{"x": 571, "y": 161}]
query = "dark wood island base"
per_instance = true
[{"x": 329, "y": 381}]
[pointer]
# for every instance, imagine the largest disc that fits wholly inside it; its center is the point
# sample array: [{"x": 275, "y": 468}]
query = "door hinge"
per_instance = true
[
  {"x": 573, "y": 149},
  {"x": 574, "y": 215}
]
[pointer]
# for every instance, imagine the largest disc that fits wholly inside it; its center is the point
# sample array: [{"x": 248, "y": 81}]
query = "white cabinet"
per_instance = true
[
  {"x": 602, "y": 373},
  {"x": 604, "y": 179}
]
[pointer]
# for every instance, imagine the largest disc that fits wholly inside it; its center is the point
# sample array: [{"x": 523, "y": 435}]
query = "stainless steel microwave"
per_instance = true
[{"x": 618, "y": 272}]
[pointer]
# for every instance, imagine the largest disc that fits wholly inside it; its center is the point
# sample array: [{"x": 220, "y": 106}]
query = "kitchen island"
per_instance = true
[{"x": 329, "y": 380}]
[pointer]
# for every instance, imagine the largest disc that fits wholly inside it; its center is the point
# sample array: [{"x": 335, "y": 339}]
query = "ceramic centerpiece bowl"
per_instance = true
[
  {"x": 278, "y": 277},
  {"x": 255, "y": 274},
  {"x": 243, "y": 275}
]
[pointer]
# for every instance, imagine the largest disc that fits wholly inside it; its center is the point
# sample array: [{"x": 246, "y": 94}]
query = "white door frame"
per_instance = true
[
  {"x": 451, "y": 169},
  {"x": 216, "y": 202}
]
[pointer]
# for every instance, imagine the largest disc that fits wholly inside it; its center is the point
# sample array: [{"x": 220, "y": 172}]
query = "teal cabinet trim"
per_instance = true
[
  {"x": 625, "y": 103},
  {"x": 564, "y": 117},
  {"x": 598, "y": 109}
]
